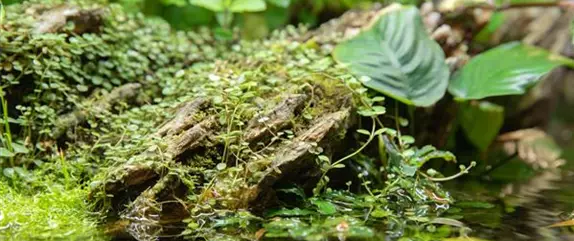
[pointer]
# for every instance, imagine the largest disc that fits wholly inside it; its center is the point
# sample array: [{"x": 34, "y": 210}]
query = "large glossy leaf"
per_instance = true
[
  {"x": 481, "y": 122},
  {"x": 399, "y": 57},
  {"x": 508, "y": 69}
]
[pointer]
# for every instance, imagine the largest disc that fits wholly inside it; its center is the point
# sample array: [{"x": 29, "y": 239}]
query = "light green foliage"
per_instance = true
[
  {"x": 216, "y": 6},
  {"x": 508, "y": 69},
  {"x": 236, "y": 6},
  {"x": 481, "y": 122},
  {"x": 399, "y": 58},
  {"x": 55, "y": 214}
]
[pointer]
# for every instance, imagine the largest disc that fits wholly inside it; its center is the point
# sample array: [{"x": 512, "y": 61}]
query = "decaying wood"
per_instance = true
[
  {"x": 128, "y": 175},
  {"x": 279, "y": 118},
  {"x": 295, "y": 161},
  {"x": 159, "y": 205},
  {"x": 124, "y": 93},
  {"x": 183, "y": 117},
  {"x": 55, "y": 19},
  {"x": 156, "y": 208},
  {"x": 191, "y": 138}
]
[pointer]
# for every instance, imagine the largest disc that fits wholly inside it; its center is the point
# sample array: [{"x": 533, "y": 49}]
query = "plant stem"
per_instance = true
[
  {"x": 412, "y": 119},
  {"x": 397, "y": 124},
  {"x": 371, "y": 137},
  {"x": 7, "y": 132},
  {"x": 444, "y": 179}
]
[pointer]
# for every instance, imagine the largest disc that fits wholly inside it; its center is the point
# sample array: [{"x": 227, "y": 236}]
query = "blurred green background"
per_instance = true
[{"x": 183, "y": 15}]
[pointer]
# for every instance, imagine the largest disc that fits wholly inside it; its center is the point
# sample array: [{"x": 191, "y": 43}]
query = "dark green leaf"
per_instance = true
[
  {"x": 294, "y": 190},
  {"x": 508, "y": 69},
  {"x": 398, "y": 56},
  {"x": 481, "y": 122}
]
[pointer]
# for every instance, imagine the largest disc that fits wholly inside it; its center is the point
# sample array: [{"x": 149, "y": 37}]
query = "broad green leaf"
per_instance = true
[
  {"x": 213, "y": 5},
  {"x": 399, "y": 57},
  {"x": 508, "y": 69},
  {"x": 324, "y": 207},
  {"x": 4, "y": 152},
  {"x": 238, "y": 6},
  {"x": 481, "y": 122},
  {"x": 19, "y": 148}
]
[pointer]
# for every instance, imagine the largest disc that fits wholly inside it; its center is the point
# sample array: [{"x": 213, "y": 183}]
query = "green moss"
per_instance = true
[{"x": 52, "y": 214}]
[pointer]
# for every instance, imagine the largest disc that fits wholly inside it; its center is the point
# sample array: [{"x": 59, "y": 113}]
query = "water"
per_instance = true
[{"x": 521, "y": 210}]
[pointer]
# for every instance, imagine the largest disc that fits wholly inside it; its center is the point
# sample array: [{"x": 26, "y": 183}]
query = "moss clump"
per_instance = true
[{"x": 54, "y": 214}]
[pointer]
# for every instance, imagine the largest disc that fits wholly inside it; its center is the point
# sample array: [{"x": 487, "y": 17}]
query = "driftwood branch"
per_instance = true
[
  {"x": 55, "y": 19},
  {"x": 124, "y": 93}
]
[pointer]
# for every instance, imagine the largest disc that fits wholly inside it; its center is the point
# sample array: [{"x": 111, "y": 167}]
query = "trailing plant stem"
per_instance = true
[{"x": 444, "y": 179}]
